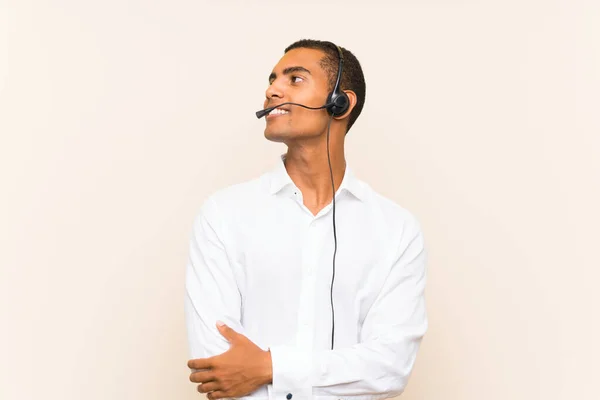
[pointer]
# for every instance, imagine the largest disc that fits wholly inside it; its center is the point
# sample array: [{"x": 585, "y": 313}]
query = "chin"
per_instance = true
[
  {"x": 277, "y": 136},
  {"x": 287, "y": 136}
]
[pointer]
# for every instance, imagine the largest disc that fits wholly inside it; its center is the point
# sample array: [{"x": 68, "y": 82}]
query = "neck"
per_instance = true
[{"x": 308, "y": 167}]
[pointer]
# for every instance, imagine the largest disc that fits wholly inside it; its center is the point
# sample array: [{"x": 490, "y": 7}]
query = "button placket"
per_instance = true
[{"x": 307, "y": 297}]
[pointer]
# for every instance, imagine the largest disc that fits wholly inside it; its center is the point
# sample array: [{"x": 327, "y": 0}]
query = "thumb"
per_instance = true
[{"x": 226, "y": 331}]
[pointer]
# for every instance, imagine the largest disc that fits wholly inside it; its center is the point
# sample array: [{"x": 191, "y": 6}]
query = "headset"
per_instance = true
[
  {"x": 337, "y": 100},
  {"x": 337, "y": 104}
]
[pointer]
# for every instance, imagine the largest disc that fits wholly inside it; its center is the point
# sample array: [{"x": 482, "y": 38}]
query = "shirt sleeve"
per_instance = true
[
  {"x": 382, "y": 361},
  {"x": 211, "y": 291}
]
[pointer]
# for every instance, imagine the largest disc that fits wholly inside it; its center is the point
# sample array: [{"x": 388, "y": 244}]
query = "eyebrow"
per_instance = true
[{"x": 289, "y": 70}]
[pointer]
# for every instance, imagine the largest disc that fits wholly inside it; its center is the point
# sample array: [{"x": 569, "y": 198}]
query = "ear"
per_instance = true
[{"x": 352, "y": 99}]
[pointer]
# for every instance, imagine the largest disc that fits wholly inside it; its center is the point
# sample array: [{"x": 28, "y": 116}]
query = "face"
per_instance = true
[{"x": 297, "y": 78}]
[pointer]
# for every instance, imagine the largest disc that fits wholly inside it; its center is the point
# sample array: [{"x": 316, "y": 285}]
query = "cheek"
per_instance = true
[{"x": 310, "y": 121}]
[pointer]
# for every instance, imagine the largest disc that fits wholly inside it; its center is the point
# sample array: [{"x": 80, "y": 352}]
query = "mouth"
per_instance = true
[{"x": 277, "y": 112}]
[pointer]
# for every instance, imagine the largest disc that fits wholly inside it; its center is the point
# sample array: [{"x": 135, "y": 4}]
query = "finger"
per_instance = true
[
  {"x": 201, "y": 363},
  {"x": 202, "y": 376},
  {"x": 217, "y": 394},
  {"x": 226, "y": 331},
  {"x": 208, "y": 387},
  {"x": 229, "y": 333}
]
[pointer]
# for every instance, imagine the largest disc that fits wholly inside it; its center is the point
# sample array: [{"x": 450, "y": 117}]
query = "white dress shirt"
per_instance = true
[{"x": 261, "y": 262}]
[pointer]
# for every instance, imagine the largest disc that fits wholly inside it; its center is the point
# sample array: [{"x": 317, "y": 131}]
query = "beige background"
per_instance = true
[{"x": 116, "y": 118}]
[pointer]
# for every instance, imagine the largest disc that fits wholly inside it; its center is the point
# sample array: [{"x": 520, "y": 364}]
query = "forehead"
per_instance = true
[{"x": 307, "y": 58}]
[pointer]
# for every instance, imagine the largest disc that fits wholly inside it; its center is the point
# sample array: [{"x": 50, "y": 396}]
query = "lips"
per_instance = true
[{"x": 279, "y": 111}]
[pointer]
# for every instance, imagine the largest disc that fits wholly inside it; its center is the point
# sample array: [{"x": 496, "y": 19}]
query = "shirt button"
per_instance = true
[{"x": 289, "y": 396}]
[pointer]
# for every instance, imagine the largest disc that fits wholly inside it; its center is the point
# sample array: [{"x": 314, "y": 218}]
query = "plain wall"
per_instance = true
[{"x": 118, "y": 118}]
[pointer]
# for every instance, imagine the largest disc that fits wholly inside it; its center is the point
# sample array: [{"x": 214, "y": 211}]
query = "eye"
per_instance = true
[{"x": 294, "y": 79}]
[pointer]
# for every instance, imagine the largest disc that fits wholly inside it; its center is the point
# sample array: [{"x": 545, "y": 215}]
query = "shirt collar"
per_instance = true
[{"x": 280, "y": 179}]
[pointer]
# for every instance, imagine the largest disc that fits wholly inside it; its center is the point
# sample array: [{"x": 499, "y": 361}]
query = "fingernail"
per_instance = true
[{"x": 220, "y": 323}]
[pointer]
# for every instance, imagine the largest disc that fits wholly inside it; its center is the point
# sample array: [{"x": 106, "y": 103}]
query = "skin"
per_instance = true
[
  {"x": 305, "y": 131},
  {"x": 238, "y": 372},
  {"x": 297, "y": 78}
]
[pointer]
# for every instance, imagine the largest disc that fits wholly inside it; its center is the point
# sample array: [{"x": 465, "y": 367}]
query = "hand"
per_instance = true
[{"x": 238, "y": 372}]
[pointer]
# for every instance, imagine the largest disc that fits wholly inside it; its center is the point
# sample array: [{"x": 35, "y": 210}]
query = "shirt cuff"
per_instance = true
[{"x": 291, "y": 373}]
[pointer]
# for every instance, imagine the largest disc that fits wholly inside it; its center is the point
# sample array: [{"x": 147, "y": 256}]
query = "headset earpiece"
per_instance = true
[
  {"x": 340, "y": 103},
  {"x": 337, "y": 96}
]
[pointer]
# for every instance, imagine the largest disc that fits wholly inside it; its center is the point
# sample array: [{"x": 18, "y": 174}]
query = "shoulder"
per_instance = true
[
  {"x": 400, "y": 232},
  {"x": 229, "y": 200},
  {"x": 392, "y": 215}
]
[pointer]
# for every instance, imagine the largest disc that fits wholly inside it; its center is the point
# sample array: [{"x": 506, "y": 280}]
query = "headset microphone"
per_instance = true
[
  {"x": 262, "y": 113},
  {"x": 337, "y": 101}
]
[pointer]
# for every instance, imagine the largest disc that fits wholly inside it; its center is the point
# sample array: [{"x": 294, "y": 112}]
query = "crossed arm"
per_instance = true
[{"x": 226, "y": 363}]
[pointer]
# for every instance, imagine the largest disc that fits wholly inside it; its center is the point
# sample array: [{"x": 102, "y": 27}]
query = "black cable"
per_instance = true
[
  {"x": 334, "y": 234},
  {"x": 262, "y": 113}
]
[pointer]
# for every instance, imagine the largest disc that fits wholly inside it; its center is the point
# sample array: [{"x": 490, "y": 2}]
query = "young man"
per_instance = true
[{"x": 310, "y": 310}]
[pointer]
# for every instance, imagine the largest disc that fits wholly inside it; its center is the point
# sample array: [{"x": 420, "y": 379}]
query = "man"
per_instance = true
[{"x": 281, "y": 303}]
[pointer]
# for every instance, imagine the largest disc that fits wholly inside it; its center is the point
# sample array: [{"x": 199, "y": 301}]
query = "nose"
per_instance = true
[{"x": 274, "y": 90}]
